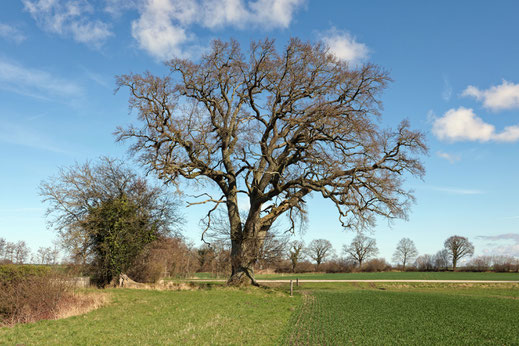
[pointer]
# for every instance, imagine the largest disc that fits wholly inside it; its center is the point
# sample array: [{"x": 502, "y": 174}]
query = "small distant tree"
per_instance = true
[
  {"x": 458, "y": 247},
  {"x": 361, "y": 248},
  {"x": 21, "y": 252},
  {"x": 441, "y": 260},
  {"x": 3, "y": 243},
  {"x": 272, "y": 251},
  {"x": 424, "y": 263},
  {"x": 295, "y": 253},
  {"x": 319, "y": 250},
  {"x": 405, "y": 252},
  {"x": 46, "y": 255}
]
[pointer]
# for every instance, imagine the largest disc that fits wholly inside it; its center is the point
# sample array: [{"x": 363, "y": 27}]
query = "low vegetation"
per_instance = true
[{"x": 318, "y": 313}]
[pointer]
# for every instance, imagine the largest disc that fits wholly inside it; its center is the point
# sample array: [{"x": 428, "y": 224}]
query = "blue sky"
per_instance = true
[{"x": 454, "y": 66}]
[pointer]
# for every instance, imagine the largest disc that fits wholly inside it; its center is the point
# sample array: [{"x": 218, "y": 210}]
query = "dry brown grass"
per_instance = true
[{"x": 79, "y": 303}]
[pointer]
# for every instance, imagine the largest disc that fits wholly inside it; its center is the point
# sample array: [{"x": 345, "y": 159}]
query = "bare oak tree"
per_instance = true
[
  {"x": 319, "y": 250},
  {"x": 458, "y": 247},
  {"x": 405, "y": 252},
  {"x": 361, "y": 248},
  {"x": 272, "y": 128}
]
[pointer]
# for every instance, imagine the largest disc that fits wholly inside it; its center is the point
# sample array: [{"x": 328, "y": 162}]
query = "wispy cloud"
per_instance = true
[
  {"x": 11, "y": 33},
  {"x": 69, "y": 18},
  {"x": 344, "y": 46},
  {"x": 447, "y": 89},
  {"x": 36, "y": 83},
  {"x": 500, "y": 97},
  {"x": 456, "y": 191},
  {"x": 462, "y": 124},
  {"x": 452, "y": 158},
  {"x": 97, "y": 78},
  {"x": 22, "y": 135},
  {"x": 505, "y": 236},
  {"x": 164, "y": 27},
  {"x": 506, "y": 244}
]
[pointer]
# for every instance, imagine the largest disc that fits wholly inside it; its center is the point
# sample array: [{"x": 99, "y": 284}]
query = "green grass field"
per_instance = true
[{"x": 319, "y": 313}]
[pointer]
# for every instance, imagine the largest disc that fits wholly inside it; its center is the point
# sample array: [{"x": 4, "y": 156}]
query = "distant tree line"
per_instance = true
[{"x": 20, "y": 253}]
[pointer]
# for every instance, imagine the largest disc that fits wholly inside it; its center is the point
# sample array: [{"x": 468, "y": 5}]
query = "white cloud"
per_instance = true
[
  {"x": 452, "y": 158},
  {"x": 117, "y": 7},
  {"x": 69, "y": 18},
  {"x": 463, "y": 124},
  {"x": 11, "y": 33},
  {"x": 227, "y": 12},
  {"x": 344, "y": 46},
  {"x": 35, "y": 83},
  {"x": 164, "y": 26},
  {"x": 155, "y": 31},
  {"x": 273, "y": 13},
  {"x": 496, "y": 98}
]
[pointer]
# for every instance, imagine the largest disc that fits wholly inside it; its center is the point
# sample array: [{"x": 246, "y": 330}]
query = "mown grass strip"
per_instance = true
[{"x": 219, "y": 316}]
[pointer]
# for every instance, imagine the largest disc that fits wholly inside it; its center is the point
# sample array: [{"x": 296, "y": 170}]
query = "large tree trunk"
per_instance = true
[
  {"x": 246, "y": 242},
  {"x": 243, "y": 257}
]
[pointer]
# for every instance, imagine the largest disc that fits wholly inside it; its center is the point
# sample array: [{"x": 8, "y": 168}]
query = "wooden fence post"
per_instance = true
[
  {"x": 291, "y": 287},
  {"x": 297, "y": 282}
]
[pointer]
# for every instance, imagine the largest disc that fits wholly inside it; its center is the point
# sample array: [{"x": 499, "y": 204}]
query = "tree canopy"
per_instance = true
[{"x": 272, "y": 128}]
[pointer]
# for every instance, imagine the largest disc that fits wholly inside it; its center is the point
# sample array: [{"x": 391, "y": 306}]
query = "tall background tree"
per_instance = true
[
  {"x": 405, "y": 252},
  {"x": 319, "y": 250},
  {"x": 106, "y": 214},
  {"x": 457, "y": 248},
  {"x": 361, "y": 249},
  {"x": 271, "y": 128}
]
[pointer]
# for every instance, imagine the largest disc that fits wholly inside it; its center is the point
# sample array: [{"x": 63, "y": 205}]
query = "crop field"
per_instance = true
[
  {"x": 318, "y": 313},
  {"x": 394, "y": 276},
  {"x": 409, "y": 314}
]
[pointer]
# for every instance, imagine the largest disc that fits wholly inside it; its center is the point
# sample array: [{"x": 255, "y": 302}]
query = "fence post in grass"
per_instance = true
[
  {"x": 297, "y": 282},
  {"x": 291, "y": 287}
]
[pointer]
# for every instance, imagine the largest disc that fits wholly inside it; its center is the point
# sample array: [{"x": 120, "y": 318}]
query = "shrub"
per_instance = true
[
  {"x": 167, "y": 257},
  {"x": 376, "y": 265},
  {"x": 305, "y": 267},
  {"x": 30, "y": 297},
  {"x": 13, "y": 272},
  {"x": 338, "y": 266}
]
